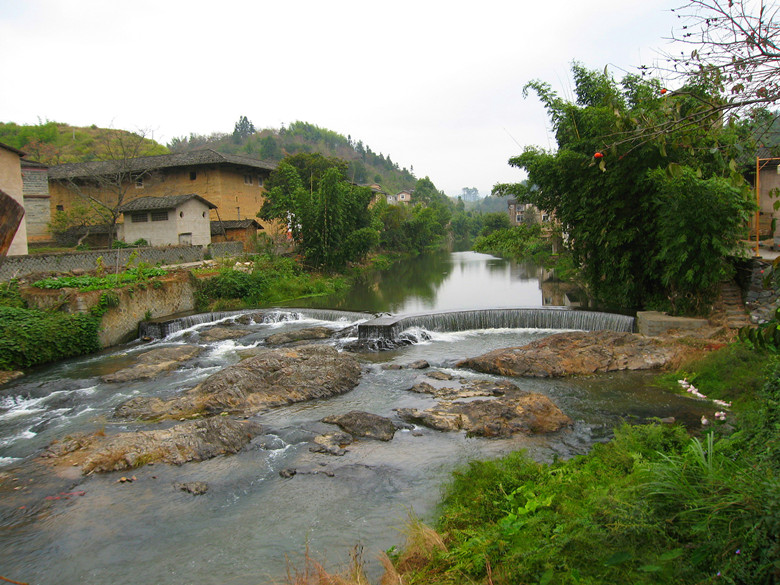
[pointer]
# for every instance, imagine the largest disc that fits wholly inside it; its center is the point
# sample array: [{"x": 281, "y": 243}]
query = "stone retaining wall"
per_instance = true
[
  {"x": 21, "y": 266},
  {"x": 762, "y": 291},
  {"x": 653, "y": 323},
  {"x": 174, "y": 293}
]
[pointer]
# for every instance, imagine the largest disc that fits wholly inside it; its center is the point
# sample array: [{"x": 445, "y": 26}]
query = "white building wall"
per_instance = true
[{"x": 191, "y": 217}]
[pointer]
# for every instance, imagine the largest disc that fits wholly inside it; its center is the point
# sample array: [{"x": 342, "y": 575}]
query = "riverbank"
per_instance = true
[{"x": 653, "y": 505}]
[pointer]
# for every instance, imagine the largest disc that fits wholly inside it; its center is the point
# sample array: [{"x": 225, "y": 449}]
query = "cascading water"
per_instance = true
[
  {"x": 386, "y": 332},
  {"x": 161, "y": 328}
]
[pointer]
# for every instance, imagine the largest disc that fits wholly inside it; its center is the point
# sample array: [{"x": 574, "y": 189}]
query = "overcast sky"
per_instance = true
[{"x": 436, "y": 85}]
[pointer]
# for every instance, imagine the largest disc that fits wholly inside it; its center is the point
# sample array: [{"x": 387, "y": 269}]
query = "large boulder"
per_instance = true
[
  {"x": 273, "y": 377},
  {"x": 154, "y": 362},
  {"x": 577, "y": 352},
  {"x": 308, "y": 334},
  {"x": 222, "y": 333},
  {"x": 363, "y": 424},
  {"x": 508, "y": 411},
  {"x": 195, "y": 440}
]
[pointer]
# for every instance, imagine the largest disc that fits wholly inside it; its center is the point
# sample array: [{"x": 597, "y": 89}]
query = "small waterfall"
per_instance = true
[
  {"x": 161, "y": 328},
  {"x": 385, "y": 332}
]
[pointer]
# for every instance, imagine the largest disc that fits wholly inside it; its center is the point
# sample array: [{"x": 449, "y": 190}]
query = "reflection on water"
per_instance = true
[
  {"x": 251, "y": 519},
  {"x": 441, "y": 281}
]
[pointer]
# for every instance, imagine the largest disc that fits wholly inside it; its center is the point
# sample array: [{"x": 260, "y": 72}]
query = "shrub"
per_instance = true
[{"x": 30, "y": 337}]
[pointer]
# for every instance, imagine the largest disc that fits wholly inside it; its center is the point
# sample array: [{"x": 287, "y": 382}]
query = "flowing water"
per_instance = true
[{"x": 251, "y": 520}]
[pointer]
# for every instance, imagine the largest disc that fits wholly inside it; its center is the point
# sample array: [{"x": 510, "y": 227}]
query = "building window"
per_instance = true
[
  {"x": 139, "y": 217},
  {"x": 139, "y": 182},
  {"x": 519, "y": 218},
  {"x": 247, "y": 179},
  {"x": 60, "y": 208},
  {"x": 545, "y": 217},
  {"x": 259, "y": 181},
  {"x": 160, "y": 215},
  {"x": 193, "y": 175}
]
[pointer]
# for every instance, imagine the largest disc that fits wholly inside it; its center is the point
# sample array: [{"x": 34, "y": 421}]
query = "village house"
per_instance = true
[
  {"x": 404, "y": 197},
  {"x": 168, "y": 221},
  {"x": 11, "y": 185},
  {"x": 37, "y": 201},
  {"x": 234, "y": 184},
  {"x": 235, "y": 230},
  {"x": 520, "y": 213},
  {"x": 767, "y": 194}
]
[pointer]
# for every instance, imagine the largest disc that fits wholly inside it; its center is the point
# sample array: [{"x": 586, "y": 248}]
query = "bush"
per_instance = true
[{"x": 30, "y": 337}]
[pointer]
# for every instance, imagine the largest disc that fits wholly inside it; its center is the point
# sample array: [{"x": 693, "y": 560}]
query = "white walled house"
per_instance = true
[{"x": 168, "y": 221}]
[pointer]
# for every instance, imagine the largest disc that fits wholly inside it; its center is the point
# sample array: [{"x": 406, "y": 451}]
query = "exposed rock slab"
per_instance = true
[
  {"x": 222, "y": 333},
  {"x": 308, "y": 334},
  {"x": 364, "y": 424},
  {"x": 578, "y": 352},
  {"x": 273, "y": 377},
  {"x": 196, "y": 440},
  {"x": 331, "y": 443},
  {"x": 154, "y": 362},
  {"x": 510, "y": 411}
]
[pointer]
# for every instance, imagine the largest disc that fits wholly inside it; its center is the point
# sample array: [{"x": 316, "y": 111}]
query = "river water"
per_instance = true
[{"x": 251, "y": 523}]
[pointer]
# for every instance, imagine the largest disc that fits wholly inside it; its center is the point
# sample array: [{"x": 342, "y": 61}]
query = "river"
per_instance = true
[{"x": 252, "y": 522}]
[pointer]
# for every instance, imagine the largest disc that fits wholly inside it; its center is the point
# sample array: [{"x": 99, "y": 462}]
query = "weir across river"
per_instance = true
[{"x": 386, "y": 330}]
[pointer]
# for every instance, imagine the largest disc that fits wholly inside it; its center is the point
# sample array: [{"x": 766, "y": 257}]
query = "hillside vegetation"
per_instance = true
[
  {"x": 54, "y": 143},
  {"x": 365, "y": 165}
]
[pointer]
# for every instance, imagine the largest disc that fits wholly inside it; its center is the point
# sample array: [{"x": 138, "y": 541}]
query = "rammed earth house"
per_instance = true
[
  {"x": 171, "y": 220},
  {"x": 234, "y": 184}
]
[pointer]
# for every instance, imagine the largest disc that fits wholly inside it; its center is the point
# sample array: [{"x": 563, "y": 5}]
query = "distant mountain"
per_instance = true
[
  {"x": 54, "y": 143},
  {"x": 365, "y": 166}
]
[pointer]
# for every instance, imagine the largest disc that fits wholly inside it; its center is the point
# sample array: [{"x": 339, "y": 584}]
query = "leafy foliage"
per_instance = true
[
  {"x": 519, "y": 242},
  {"x": 30, "y": 337},
  {"x": 322, "y": 213},
  {"x": 272, "y": 279},
  {"x": 646, "y": 224},
  {"x": 87, "y": 282}
]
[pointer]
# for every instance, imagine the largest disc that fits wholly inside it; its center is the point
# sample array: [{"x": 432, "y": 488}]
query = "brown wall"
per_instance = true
[
  {"x": 11, "y": 183},
  {"x": 222, "y": 185}
]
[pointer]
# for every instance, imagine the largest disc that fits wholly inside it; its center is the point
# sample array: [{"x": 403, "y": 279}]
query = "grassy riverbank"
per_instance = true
[{"x": 654, "y": 505}]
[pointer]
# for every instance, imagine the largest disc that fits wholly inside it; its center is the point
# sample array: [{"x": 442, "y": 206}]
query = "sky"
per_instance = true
[{"x": 436, "y": 85}]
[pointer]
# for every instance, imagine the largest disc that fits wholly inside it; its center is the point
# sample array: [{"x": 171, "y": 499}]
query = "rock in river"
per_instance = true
[
  {"x": 363, "y": 424},
  {"x": 577, "y": 352},
  {"x": 273, "y": 377},
  {"x": 151, "y": 363},
  {"x": 222, "y": 333},
  {"x": 510, "y": 411},
  {"x": 195, "y": 440},
  {"x": 307, "y": 334}
]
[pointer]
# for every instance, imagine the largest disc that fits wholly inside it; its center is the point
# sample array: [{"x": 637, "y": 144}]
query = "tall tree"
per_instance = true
[
  {"x": 615, "y": 204},
  {"x": 327, "y": 216},
  {"x": 243, "y": 129}
]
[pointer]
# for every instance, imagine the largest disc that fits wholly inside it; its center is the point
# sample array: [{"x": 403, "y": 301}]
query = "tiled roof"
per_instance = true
[
  {"x": 204, "y": 156},
  {"x": 232, "y": 224},
  {"x": 166, "y": 202}
]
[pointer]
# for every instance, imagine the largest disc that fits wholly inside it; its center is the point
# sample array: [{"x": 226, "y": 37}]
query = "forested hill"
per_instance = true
[
  {"x": 365, "y": 165},
  {"x": 57, "y": 143}
]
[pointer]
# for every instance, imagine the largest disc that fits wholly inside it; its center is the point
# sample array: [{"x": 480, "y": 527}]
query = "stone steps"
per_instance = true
[{"x": 731, "y": 304}]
